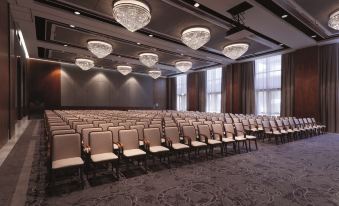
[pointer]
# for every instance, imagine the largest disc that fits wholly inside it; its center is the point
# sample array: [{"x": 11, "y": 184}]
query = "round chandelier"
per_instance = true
[
  {"x": 148, "y": 59},
  {"x": 84, "y": 64},
  {"x": 155, "y": 73},
  {"x": 124, "y": 69},
  {"x": 132, "y": 14},
  {"x": 195, "y": 37},
  {"x": 234, "y": 51},
  {"x": 99, "y": 48},
  {"x": 333, "y": 22},
  {"x": 183, "y": 66}
]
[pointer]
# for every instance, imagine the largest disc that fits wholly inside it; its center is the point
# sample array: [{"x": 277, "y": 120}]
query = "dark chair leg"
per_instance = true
[{"x": 256, "y": 144}]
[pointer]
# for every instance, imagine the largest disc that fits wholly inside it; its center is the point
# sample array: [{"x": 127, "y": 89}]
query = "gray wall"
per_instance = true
[{"x": 104, "y": 88}]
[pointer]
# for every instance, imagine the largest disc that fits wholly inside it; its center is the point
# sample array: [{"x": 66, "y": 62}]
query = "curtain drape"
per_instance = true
[
  {"x": 287, "y": 85},
  {"x": 329, "y": 86},
  {"x": 202, "y": 91},
  {"x": 247, "y": 87},
  {"x": 172, "y": 93},
  {"x": 223, "y": 89}
]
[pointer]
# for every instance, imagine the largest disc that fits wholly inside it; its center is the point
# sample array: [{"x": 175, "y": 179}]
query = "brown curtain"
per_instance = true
[
  {"x": 247, "y": 88},
  {"x": 287, "y": 85},
  {"x": 202, "y": 91},
  {"x": 172, "y": 93},
  {"x": 329, "y": 86}
]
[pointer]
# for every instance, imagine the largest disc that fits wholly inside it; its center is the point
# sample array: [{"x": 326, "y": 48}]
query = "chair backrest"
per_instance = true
[
  {"x": 82, "y": 126},
  {"x": 253, "y": 124},
  {"x": 101, "y": 142},
  {"x": 279, "y": 124},
  {"x": 246, "y": 124},
  {"x": 236, "y": 120},
  {"x": 56, "y": 123},
  {"x": 116, "y": 122},
  {"x": 75, "y": 124},
  {"x": 105, "y": 126},
  {"x": 125, "y": 124},
  {"x": 85, "y": 134},
  {"x": 159, "y": 126},
  {"x": 195, "y": 124},
  {"x": 153, "y": 136},
  {"x": 97, "y": 122},
  {"x": 239, "y": 127},
  {"x": 66, "y": 146},
  {"x": 170, "y": 124},
  {"x": 204, "y": 132},
  {"x": 132, "y": 121},
  {"x": 115, "y": 132},
  {"x": 266, "y": 126},
  {"x": 229, "y": 130},
  {"x": 65, "y": 131},
  {"x": 140, "y": 129},
  {"x": 145, "y": 124},
  {"x": 173, "y": 134},
  {"x": 156, "y": 122},
  {"x": 63, "y": 127},
  {"x": 189, "y": 131},
  {"x": 129, "y": 139},
  {"x": 217, "y": 130},
  {"x": 209, "y": 123},
  {"x": 228, "y": 120},
  {"x": 286, "y": 123},
  {"x": 218, "y": 122},
  {"x": 273, "y": 125}
]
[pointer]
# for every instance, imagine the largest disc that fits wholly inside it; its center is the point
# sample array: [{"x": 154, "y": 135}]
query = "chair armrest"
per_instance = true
[
  {"x": 87, "y": 149},
  {"x": 147, "y": 143},
  {"x": 168, "y": 141},
  {"x": 121, "y": 148},
  {"x": 189, "y": 140},
  {"x": 206, "y": 138},
  {"x": 219, "y": 135}
]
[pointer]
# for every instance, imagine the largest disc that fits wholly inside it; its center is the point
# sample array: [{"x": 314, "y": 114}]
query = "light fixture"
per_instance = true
[
  {"x": 84, "y": 64},
  {"x": 77, "y": 13},
  {"x": 314, "y": 36},
  {"x": 138, "y": 43},
  {"x": 65, "y": 45},
  {"x": 132, "y": 14},
  {"x": 99, "y": 48},
  {"x": 148, "y": 59},
  {"x": 72, "y": 26},
  {"x": 196, "y": 5},
  {"x": 183, "y": 66},
  {"x": 333, "y": 22},
  {"x": 234, "y": 51},
  {"x": 154, "y": 73},
  {"x": 124, "y": 69},
  {"x": 195, "y": 37},
  {"x": 281, "y": 44},
  {"x": 150, "y": 35},
  {"x": 23, "y": 43},
  {"x": 284, "y": 16}
]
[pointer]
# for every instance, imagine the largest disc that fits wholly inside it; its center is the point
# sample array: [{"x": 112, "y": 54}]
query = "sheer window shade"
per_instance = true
[
  {"x": 182, "y": 93},
  {"x": 213, "y": 90},
  {"x": 268, "y": 85}
]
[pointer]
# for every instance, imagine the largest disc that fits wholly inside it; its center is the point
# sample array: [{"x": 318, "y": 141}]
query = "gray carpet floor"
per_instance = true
[{"x": 302, "y": 172}]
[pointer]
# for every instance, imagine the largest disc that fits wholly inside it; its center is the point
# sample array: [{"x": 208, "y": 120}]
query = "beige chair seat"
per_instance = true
[
  {"x": 240, "y": 138},
  {"x": 254, "y": 129},
  {"x": 283, "y": 132},
  {"x": 260, "y": 129},
  {"x": 156, "y": 149},
  {"x": 134, "y": 152},
  {"x": 290, "y": 131},
  {"x": 229, "y": 139},
  {"x": 103, "y": 157},
  {"x": 198, "y": 144},
  {"x": 296, "y": 130},
  {"x": 276, "y": 132},
  {"x": 250, "y": 137},
  {"x": 178, "y": 146},
  {"x": 69, "y": 162},
  {"x": 213, "y": 141}
]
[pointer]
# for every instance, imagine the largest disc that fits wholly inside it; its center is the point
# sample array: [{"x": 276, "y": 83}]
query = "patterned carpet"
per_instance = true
[{"x": 303, "y": 172}]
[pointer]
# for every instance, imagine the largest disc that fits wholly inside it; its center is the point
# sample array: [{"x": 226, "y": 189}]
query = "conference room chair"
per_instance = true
[
  {"x": 190, "y": 139},
  {"x": 66, "y": 154},
  {"x": 115, "y": 135},
  {"x": 240, "y": 130},
  {"x": 97, "y": 122},
  {"x": 140, "y": 129},
  {"x": 231, "y": 132},
  {"x": 116, "y": 122},
  {"x": 221, "y": 135},
  {"x": 85, "y": 136},
  {"x": 65, "y": 131},
  {"x": 101, "y": 150},
  {"x": 127, "y": 125},
  {"x": 229, "y": 120},
  {"x": 144, "y": 123},
  {"x": 132, "y": 121},
  {"x": 323, "y": 127},
  {"x": 288, "y": 127},
  {"x": 301, "y": 127},
  {"x": 82, "y": 126},
  {"x": 272, "y": 132},
  {"x": 105, "y": 126},
  {"x": 287, "y": 133},
  {"x": 172, "y": 138},
  {"x": 205, "y": 136},
  {"x": 153, "y": 144},
  {"x": 129, "y": 147}
]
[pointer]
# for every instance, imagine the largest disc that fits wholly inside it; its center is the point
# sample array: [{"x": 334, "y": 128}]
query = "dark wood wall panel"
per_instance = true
[
  {"x": 307, "y": 103},
  {"x": 4, "y": 71},
  {"x": 193, "y": 91},
  {"x": 160, "y": 96},
  {"x": 13, "y": 78},
  {"x": 236, "y": 89}
]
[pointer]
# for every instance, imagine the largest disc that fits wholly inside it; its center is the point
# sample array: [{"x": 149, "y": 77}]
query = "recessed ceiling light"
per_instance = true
[
  {"x": 65, "y": 45},
  {"x": 138, "y": 43},
  {"x": 314, "y": 36},
  {"x": 151, "y": 35},
  {"x": 197, "y": 5},
  {"x": 72, "y": 25},
  {"x": 77, "y": 13},
  {"x": 284, "y": 16},
  {"x": 281, "y": 44}
]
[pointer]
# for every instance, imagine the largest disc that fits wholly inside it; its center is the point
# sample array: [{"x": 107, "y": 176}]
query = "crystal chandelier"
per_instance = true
[
  {"x": 124, "y": 69},
  {"x": 99, "y": 48},
  {"x": 183, "y": 66},
  {"x": 148, "y": 59},
  {"x": 234, "y": 51},
  {"x": 155, "y": 74},
  {"x": 195, "y": 37},
  {"x": 132, "y": 14},
  {"x": 84, "y": 64},
  {"x": 333, "y": 22}
]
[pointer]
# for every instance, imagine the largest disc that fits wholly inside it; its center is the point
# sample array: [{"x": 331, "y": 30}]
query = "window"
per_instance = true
[
  {"x": 182, "y": 93},
  {"x": 213, "y": 90},
  {"x": 268, "y": 85}
]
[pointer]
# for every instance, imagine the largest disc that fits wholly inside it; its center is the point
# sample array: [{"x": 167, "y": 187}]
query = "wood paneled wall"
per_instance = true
[
  {"x": 193, "y": 91},
  {"x": 307, "y": 84},
  {"x": 4, "y": 71}
]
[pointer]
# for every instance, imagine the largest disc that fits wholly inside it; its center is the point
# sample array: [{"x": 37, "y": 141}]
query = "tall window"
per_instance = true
[
  {"x": 182, "y": 93},
  {"x": 213, "y": 90},
  {"x": 268, "y": 85}
]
